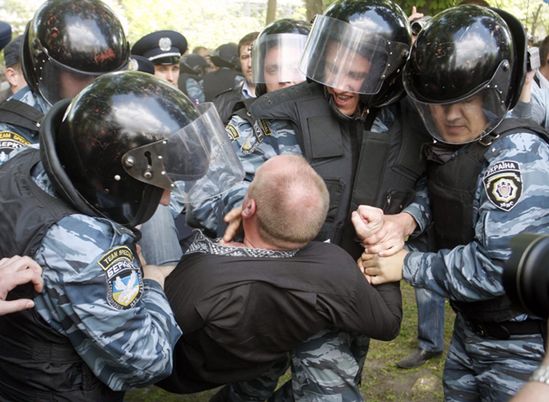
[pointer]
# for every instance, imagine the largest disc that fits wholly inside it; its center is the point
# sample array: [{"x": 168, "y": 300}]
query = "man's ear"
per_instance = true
[
  {"x": 10, "y": 74},
  {"x": 248, "y": 208}
]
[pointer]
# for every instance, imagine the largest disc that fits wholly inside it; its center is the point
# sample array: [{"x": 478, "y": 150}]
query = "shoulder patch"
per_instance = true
[
  {"x": 265, "y": 127},
  {"x": 10, "y": 141},
  {"x": 232, "y": 132},
  {"x": 503, "y": 184},
  {"x": 124, "y": 279}
]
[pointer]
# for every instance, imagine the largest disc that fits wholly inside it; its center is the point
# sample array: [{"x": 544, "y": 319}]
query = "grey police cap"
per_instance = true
[
  {"x": 161, "y": 47},
  {"x": 5, "y": 34},
  {"x": 12, "y": 51}
]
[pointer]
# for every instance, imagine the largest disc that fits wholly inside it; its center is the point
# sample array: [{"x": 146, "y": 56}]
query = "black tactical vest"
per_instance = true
[
  {"x": 226, "y": 101},
  {"x": 20, "y": 114},
  {"x": 452, "y": 187},
  {"x": 36, "y": 362},
  {"x": 359, "y": 166}
]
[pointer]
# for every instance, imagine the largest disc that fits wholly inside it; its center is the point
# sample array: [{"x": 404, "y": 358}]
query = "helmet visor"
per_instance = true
[
  {"x": 470, "y": 117},
  {"x": 198, "y": 159},
  {"x": 275, "y": 58},
  {"x": 346, "y": 57},
  {"x": 466, "y": 120},
  {"x": 57, "y": 81}
]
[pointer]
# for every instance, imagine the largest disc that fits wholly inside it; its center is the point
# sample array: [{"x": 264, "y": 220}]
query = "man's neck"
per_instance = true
[{"x": 544, "y": 70}]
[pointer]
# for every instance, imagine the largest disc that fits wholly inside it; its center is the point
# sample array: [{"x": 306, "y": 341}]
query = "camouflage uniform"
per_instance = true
[
  {"x": 119, "y": 324},
  {"x": 479, "y": 366},
  {"x": 194, "y": 91},
  {"x": 13, "y": 137},
  {"x": 253, "y": 148},
  {"x": 327, "y": 366}
]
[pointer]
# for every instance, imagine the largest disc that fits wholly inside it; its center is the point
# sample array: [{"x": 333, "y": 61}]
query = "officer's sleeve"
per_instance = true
[
  {"x": 121, "y": 325},
  {"x": 209, "y": 214},
  {"x": 539, "y": 105},
  {"x": 512, "y": 197},
  {"x": 195, "y": 91},
  {"x": 419, "y": 208},
  {"x": 534, "y": 110}
]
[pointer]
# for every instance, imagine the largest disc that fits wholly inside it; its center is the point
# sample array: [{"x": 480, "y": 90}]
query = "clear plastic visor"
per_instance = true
[
  {"x": 473, "y": 115},
  {"x": 58, "y": 81},
  {"x": 275, "y": 58},
  {"x": 348, "y": 58},
  {"x": 466, "y": 120},
  {"x": 198, "y": 159}
]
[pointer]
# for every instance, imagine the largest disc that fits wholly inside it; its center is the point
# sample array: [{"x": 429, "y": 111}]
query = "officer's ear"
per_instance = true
[{"x": 248, "y": 208}]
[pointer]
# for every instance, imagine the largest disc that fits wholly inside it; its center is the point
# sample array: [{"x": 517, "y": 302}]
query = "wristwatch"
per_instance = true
[{"x": 541, "y": 374}]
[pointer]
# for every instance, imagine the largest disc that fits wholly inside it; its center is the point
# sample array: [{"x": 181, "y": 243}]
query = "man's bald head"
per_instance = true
[{"x": 291, "y": 200}]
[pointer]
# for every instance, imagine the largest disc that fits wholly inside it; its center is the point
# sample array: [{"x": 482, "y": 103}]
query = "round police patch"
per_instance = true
[
  {"x": 503, "y": 184},
  {"x": 124, "y": 279}
]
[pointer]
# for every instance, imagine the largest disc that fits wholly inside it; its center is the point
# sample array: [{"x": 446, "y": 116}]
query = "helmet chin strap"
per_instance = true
[{"x": 48, "y": 154}]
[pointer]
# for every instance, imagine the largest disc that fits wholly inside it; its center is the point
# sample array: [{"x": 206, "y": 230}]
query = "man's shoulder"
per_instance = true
[
  {"x": 519, "y": 140},
  {"x": 229, "y": 93},
  {"x": 90, "y": 233},
  {"x": 323, "y": 249},
  {"x": 296, "y": 92},
  {"x": 27, "y": 96}
]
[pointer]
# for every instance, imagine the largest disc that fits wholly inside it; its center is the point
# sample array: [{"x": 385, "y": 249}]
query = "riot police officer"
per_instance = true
[
  {"x": 102, "y": 323},
  {"x": 225, "y": 75},
  {"x": 348, "y": 121},
  {"x": 486, "y": 182},
  {"x": 59, "y": 60}
]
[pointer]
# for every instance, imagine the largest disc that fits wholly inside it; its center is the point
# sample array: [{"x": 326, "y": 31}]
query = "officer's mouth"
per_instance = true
[
  {"x": 455, "y": 129},
  {"x": 343, "y": 99}
]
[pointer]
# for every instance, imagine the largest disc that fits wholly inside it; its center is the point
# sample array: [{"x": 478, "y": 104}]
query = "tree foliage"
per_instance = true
[{"x": 211, "y": 23}]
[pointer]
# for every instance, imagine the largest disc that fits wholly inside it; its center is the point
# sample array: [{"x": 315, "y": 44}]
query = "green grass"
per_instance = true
[{"x": 382, "y": 381}]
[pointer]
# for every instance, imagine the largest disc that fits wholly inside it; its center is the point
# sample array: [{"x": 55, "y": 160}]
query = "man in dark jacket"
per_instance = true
[{"x": 244, "y": 306}]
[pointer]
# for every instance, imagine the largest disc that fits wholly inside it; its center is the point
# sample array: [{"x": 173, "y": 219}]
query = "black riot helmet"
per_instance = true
[
  {"x": 226, "y": 55},
  {"x": 467, "y": 55},
  {"x": 69, "y": 43},
  {"x": 276, "y": 53},
  {"x": 367, "y": 40},
  {"x": 126, "y": 138}
]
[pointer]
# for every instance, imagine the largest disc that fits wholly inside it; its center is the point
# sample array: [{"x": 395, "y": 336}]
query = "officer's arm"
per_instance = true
[
  {"x": 120, "y": 324},
  {"x": 397, "y": 228},
  {"x": 209, "y": 214},
  {"x": 419, "y": 209},
  {"x": 473, "y": 272}
]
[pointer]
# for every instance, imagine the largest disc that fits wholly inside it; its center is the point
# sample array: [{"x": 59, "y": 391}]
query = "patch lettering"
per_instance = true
[
  {"x": 258, "y": 132},
  {"x": 10, "y": 141},
  {"x": 265, "y": 127},
  {"x": 124, "y": 279},
  {"x": 503, "y": 184},
  {"x": 232, "y": 132}
]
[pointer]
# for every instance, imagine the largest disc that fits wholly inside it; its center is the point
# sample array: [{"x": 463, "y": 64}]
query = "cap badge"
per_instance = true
[
  {"x": 165, "y": 44},
  {"x": 133, "y": 65}
]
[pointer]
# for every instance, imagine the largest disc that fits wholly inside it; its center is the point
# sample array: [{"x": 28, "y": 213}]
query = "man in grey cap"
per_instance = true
[
  {"x": 13, "y": 72},
  {"x": 164, "y": 49}
]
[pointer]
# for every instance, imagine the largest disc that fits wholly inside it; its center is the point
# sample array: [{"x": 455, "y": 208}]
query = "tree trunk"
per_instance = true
[
  {"x": 313, "y": 7},
  {"x": 271, "y": 11},
  {"x": 535, "y": 23}
]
